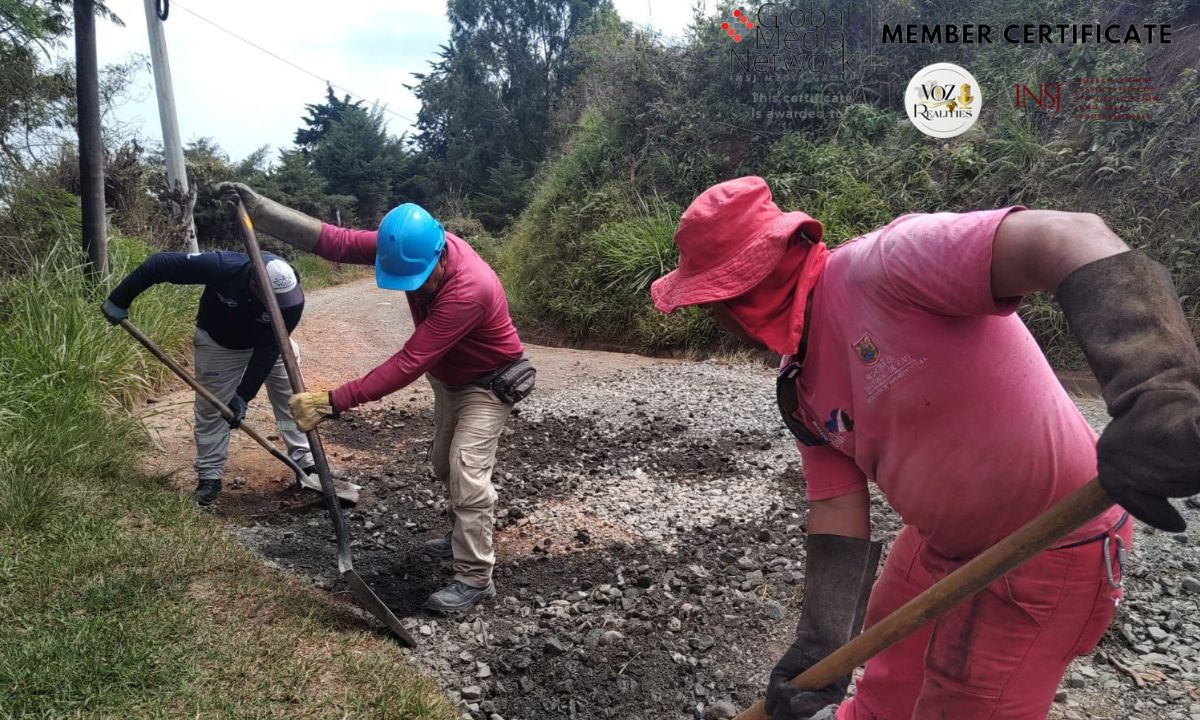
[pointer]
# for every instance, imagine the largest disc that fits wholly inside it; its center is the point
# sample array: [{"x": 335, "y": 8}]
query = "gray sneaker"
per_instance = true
[
  {"x": 439, "y": 548},
  {"x": 458, "y": 596}
]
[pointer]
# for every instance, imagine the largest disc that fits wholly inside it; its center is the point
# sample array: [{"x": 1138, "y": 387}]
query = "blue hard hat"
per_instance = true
[{"x": 409, "y": 245}]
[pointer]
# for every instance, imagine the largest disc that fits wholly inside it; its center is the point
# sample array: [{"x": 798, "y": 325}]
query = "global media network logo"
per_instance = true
[
  {"x": 737, "y": 25},
  {"x": 777, "y": 42}
]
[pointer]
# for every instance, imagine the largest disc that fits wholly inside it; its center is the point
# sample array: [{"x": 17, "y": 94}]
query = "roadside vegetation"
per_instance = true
[
  {"x": 118, "y": 597},
  {"x": 651, "y": 123},
  {"x": 121, "y": 599}
]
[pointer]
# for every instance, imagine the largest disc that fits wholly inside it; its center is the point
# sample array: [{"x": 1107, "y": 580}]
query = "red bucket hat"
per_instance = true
[{"x": 729, "y": 239}]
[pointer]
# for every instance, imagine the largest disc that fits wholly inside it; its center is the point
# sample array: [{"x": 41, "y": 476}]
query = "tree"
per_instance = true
[
  {"x": 207, "y": 164},
  {"x": 356, "y": 157},
  {"x": 490, "y": 98},
  {"x": 37, "y": 104},
  {"x": 322, "y": 117}
]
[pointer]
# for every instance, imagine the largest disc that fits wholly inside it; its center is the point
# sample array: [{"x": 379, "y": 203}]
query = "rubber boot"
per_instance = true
[{"x": 837, "y": 584}]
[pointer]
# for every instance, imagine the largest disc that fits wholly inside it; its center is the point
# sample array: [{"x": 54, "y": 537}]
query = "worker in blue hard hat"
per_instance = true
[{"x": 464, "y": 343}]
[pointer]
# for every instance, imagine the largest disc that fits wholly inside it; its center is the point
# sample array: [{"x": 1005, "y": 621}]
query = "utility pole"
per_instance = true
[
  {"x": 172, "y": 147},
  {"x": 91, "y": 149}
]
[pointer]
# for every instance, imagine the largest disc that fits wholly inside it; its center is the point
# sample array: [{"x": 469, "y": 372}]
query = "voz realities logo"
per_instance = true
[
  {"x": 737, "y": 24},
  {"x": 943, "y": 100}
]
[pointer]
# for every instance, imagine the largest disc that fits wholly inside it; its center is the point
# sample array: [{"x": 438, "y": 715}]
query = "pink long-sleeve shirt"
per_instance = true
[{"x": 463, "y": 333}]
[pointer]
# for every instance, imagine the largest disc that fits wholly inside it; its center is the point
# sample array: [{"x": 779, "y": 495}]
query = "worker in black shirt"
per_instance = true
[{"x": 235, "y": 349}]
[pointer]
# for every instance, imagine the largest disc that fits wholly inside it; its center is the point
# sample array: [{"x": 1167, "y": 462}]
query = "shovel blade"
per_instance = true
[
  {"x": 371, "y": 602},
  {"x": 346, "y": 491}
]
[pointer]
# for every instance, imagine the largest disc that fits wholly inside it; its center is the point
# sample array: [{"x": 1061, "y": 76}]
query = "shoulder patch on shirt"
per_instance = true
[
  {"x": 839, "y": 421},
  {"x": 867, "y": 350}
]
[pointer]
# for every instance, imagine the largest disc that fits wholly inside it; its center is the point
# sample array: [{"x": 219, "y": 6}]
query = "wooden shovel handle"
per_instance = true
[{"x": 1039, "y": 534}]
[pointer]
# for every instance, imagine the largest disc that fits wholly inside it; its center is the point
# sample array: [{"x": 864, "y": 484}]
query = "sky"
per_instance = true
[{"x": 243, "y": 97}]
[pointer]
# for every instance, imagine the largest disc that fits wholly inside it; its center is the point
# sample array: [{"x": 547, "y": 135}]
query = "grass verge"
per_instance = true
[
  {"x": 120, "y": 599},
  {"x": 317, "y": 272}
]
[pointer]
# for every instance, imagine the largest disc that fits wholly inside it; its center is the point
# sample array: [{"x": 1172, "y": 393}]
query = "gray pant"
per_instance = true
[
  {"x": 220, "y": 370},
  {"x": 468, "y": 421}
]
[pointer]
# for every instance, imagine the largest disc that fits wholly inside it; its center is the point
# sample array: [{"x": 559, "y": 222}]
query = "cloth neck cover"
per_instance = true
[{"x": 772, "y": 311}]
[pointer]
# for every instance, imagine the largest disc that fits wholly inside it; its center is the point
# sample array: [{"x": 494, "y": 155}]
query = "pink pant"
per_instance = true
[{"x": 998, "y": 656}]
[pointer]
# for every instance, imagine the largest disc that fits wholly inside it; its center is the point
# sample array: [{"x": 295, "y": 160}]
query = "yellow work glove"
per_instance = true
[{"x": 310, "y": 409}]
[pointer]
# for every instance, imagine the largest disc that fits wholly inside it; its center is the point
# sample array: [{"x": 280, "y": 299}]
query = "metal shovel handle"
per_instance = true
[
  {"x": 283, "y": 341},
  {"x": 1037, "y": 535},
  {"x": 358, "y": 587},
  {"x": 204, "y": 392}
]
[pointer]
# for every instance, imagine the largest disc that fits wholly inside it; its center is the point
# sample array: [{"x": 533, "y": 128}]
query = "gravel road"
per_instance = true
[{"x": 650, "y": 542}]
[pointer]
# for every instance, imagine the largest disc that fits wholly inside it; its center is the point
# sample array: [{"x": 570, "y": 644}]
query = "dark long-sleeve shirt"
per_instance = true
[{"x": 229, "y": 312}]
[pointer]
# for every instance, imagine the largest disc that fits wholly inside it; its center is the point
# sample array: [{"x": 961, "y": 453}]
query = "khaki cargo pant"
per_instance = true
[
  {"x": 219, "y": 369},
  {"x": 468, "y": 421}
]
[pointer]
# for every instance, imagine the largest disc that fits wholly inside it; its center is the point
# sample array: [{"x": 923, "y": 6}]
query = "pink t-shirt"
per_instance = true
[
  {"x": 465, "y": 332},
  {"x": 926, "y": 385}
]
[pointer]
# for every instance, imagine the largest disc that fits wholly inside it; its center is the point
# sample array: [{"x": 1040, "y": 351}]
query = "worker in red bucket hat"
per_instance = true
[{"x": 905, "y": 365}]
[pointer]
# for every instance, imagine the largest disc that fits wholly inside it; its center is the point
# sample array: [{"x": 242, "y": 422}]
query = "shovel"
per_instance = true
[
  {"x": 347, "y": 492},
  {"x": 358, "y": 588},
  {"x": 1037, "y": 535}
]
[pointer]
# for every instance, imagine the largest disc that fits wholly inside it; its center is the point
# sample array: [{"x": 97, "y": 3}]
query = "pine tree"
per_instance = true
[
  {"x": 357, "y": 157},
  {"x": 322, "y": 117}
]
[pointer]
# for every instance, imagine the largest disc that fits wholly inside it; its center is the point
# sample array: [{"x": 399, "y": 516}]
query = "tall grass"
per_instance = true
[
  {"x": 65, "y": 371},
  {"x": 632, "y": 254},
  {"x": 581, "y": 258}
]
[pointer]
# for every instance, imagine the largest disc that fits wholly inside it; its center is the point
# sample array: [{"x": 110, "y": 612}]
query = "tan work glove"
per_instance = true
[
  {"x": 310, "y": 409},
  {"x": 291, "y": 226}
]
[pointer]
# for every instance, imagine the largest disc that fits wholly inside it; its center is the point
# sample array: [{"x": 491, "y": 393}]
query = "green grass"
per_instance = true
[
  {"x": 317, "y": 272},
  {"x": 118, "y": 597},
  {"x": 633, "y": 253}
]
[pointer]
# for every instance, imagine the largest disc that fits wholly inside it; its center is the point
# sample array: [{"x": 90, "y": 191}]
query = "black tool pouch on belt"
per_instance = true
[{"x": 511, "y": 383}]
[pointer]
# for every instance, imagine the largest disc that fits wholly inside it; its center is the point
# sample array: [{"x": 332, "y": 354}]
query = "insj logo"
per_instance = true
[{"x": 943, "y": 100}]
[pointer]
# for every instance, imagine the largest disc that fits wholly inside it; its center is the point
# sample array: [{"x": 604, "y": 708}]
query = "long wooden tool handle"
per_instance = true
[
  {"x": 206, "y": 394},
  {"x": 1039, "y": 534},
  {"x": 284, "y": 342}
]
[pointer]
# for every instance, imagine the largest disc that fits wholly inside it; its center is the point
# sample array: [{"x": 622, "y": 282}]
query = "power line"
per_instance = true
[{"x": 284, "y": 60}]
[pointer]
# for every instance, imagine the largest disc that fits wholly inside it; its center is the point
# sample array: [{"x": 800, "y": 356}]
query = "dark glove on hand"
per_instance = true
[
  {"x": 238, "y": 406},
  {"x": 234, "y": 192},
  {"x": 1127, "y": 317},
  {"x": 290, "y": 226},
  {"x": 837, "y": 582},
  {"x": 784, "y": 700},
  {"x": 113, "y": 312}
]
